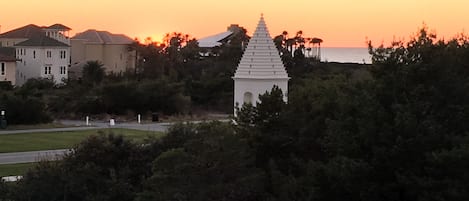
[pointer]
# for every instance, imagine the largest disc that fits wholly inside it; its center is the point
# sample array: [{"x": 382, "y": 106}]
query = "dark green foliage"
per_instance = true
[
  {"x": 4, "y": 191},
  {"x": 193, "y": 162},
  {"x": 93, "y": 73},
  {"x": 213, "y": 164},
  {"x": 143, "y": 96},
  {"x": 104, "y": 167},
  {"x": 389, "y": 137},
  {"x": 43, "y": 183},
  {"x": 394, "y": 127},
  {"x": 24, "y": 110},
  {"x": 5, "y": 86},
  {"x": 26, "y": 104}
]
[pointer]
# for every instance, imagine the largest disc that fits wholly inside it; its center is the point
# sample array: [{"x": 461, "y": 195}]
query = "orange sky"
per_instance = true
[{"x": 340, "y": 23}]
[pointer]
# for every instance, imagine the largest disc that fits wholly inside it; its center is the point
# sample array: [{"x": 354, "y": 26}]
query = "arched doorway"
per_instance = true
[{"x": 247, "y": 98}]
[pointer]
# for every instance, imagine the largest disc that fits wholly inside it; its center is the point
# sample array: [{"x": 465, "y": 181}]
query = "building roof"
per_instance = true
[
  {"x": 7, "y": 54},
  {"x": 27, "y": 31},
  {"x": 42, "y": 41},
  {"x": 103, "y": 37},
  {"x": 59, "y": 27},
  {"x": 214, "y": 40},
  {"x": 261, "y": 59}
]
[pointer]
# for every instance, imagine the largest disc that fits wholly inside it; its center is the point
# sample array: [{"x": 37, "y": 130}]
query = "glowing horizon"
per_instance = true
[{"x": 340, "y": 23}]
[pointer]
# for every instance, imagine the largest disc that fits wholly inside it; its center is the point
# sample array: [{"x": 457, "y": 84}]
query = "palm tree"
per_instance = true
[
  {"x": 289, "y": 43},
  {"x": 93, "y": 72},
  {"x": 317, "y": 41}
]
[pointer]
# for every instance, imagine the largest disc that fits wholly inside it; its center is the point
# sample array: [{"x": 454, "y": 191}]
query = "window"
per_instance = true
[
  {"x": 247, "y": 98},
  {"x": 2, "y": 69},
  {"x": 63, "y": 70},
  {"x": 47, "y": 70},
  {"x": 63, "y": 54},
  {"x": 48, "y": 54}
]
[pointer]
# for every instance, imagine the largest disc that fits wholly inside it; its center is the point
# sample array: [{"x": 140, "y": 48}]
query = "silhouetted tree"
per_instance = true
[{"x": 93, "y": 72}]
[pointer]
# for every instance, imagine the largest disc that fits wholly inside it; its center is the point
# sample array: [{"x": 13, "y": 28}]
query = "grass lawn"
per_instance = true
[
  {"x": 36, "y": 126},
  {"x": 61, "y": 140},
  {"x": 14, "y": 169}
]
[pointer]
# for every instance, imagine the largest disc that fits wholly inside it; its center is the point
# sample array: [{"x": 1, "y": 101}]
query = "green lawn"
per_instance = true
[
  {"x": 37, "y": 126},
  {"x": 61, "y": 140},
  {"x": 14, "y": 169}
]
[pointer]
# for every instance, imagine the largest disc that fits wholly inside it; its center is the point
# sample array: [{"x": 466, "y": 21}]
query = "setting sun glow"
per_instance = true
[{"x": 340, "y": 23}]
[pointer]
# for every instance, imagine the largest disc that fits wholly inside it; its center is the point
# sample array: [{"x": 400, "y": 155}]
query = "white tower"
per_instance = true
[{"x": 260, "y": 69}]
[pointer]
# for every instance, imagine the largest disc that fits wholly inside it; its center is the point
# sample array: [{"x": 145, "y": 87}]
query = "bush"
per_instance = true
[{"x": 24, "y": 110}]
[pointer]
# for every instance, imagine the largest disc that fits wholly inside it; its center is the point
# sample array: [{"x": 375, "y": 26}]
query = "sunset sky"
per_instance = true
[{"x": 340, "y": 23}]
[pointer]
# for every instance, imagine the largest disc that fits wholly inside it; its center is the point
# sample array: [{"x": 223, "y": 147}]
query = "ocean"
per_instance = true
[{"x": 345, "y": 55}]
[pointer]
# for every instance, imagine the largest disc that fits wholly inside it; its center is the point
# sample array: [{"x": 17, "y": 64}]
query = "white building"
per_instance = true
[
  {"x": 41, "y": 52},
  {"x": 42, "y": 57},
  {"x": 260, "y": 69},
  {"x": 113, "y": 50}
]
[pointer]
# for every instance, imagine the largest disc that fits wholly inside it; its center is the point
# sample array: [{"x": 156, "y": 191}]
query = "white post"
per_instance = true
[
  {"x": 87, "y": 120},
  {"x": 112, "y": 122},
  {"x": 139, "y": 118}
]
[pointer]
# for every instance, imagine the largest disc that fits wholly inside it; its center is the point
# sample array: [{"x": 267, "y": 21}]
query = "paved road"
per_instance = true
[
  {"x": 31, "y": 156},
  {"x": 5, "y": 132},
  {"x": 128, "y": 125},
  {"x": 80, "y": 125}
]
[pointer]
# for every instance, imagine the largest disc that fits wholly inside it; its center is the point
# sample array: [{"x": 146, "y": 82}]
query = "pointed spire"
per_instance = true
[{"x": 261, "y": 59}]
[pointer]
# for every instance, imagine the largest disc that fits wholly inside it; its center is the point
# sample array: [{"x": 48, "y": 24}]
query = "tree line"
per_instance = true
[
  {"x": 399, "y": 134},
  {"x": 170, "y": 78}
]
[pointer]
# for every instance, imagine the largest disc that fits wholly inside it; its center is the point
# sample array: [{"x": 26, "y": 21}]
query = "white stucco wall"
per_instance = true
[
  {"x": 10, "y": 72},
  {"x": 257, "y": 87},
  {"x": 30, "y": 66}
]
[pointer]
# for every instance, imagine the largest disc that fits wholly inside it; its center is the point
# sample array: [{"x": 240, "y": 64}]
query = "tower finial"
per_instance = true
[{"x": 262, "y": 14}]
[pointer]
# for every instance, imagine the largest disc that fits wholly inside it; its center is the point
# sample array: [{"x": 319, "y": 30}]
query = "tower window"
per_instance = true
[{"x": 247, "y": 98}]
